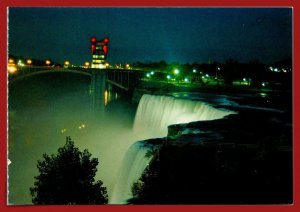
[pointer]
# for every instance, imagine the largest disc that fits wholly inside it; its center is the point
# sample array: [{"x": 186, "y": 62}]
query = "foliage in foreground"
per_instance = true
[{"x": 68, "y": 178}]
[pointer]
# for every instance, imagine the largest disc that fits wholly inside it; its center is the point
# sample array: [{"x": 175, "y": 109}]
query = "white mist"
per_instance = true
[{"x": 154, "y": 115}]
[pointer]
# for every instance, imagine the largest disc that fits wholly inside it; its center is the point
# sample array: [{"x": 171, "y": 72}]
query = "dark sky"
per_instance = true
[{"x": 152, "y": 34}]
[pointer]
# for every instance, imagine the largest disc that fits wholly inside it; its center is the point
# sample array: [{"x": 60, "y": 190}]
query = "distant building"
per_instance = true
[{"x": 99, "y": 50}]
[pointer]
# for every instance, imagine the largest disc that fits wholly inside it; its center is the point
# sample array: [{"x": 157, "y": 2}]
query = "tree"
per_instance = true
[
  {"x": 259, "y": 73},
  {"x": 230, "y": 71},
  {"x": 68, "y": 178}
]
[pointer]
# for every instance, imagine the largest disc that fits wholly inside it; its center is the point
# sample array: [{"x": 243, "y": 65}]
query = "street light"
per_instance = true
[
  {"x": 29, "y": 62},
  {"x": 20, "y": 63},
  {"x": 87, "y": 64},
  {"x": 48, "y": 62},
  {"x": 11, "y": 69},
  {"x": 176, "y": 71},
  {"x": 67, "y": 63},
  {"x": 218, "y": 69}
]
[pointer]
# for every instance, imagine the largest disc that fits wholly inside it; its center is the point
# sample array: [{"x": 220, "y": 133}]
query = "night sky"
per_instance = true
[{"x": 152, "y": 34}]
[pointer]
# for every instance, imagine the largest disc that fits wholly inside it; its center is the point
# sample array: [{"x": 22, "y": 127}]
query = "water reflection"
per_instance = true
[
  {"x": 110, "y": 95},
  {"x": 44, "y": 110}
]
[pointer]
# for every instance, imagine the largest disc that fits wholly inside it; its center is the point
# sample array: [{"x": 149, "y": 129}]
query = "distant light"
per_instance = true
[
  {"x": 276, "y": 69},
  {"x": 206, "y": 75},
  {"x": 93, "y": 39},
  {"x": 219, "y": 68},
  {"x": 152, "y": 73},
  {"x": 284, "y": 70},
  {"x": 186, "y": 79},
  {"x": 20, "y": 63},
  {"x": 29, "y": 62},
  {"x": 102, "y": 66},
  {"x": 194, "y": 71},
  {"x": 176, "y": 71},
  {"x": 271, "y": 68},
  {"x": 81, "y": 126},
  {"x": 203, "y": 77},
  {"x": 48, "y": 62},
  {"x": 67, "y": 63},
  {"x": 263, "y": 94},
  {"x": 168, "y": 77},
  {"x": 148, "y": 75},
  {"x": 244, "y": 79},
  {"x": 87, "y": 64},
  {"x": 127, "y": 66},
  {"x": 263, "y": 84},
  {"x": 12, "y": 69},
  {"x": 11, "y": 61},
  {"x": 105, "y": 49},
  {"x": 105, "y": 40}
]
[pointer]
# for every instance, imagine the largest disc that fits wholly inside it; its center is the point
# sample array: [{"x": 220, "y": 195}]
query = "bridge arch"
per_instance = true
[
  {"x": 29, "y": 73},
  {"x": 122, "y": 78},
  {"x": 97, "y": 81}
]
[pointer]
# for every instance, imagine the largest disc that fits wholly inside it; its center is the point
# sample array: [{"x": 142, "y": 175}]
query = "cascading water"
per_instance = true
[
  {"x": 154, "y": 115},
  {"x": 134, "y": 163}
]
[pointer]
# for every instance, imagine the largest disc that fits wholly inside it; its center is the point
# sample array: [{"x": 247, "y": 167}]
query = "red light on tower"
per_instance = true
[
  {"x": 93, "y": 40},
  {"x": 105, "y": 40},
  {"x": 93, "y": 47},
  {"x": 105, "y": 49}
]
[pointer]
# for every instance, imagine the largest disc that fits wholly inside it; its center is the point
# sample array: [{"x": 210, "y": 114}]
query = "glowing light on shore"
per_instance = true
[
  {"x": 11, "y": 69},
  {"x": 48, "y": 62},
  {"x": 29, "y": 62},
  {"x": 10, "y": 61}
]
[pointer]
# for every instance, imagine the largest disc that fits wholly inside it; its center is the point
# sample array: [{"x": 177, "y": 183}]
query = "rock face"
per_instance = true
[
  {"x": 244, "y": 158},
  {"x": 248, "y": 127}
]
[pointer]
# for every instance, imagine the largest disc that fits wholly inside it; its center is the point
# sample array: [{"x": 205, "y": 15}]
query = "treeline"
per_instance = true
[
  {"x": 255, "y": 71},
  {"x": 34, "y": 61}
]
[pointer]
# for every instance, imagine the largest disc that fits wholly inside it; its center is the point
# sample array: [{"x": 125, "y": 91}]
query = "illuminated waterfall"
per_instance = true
[
  {"x": 154, "y": 115},
  {"x": 134, "y": 163}
]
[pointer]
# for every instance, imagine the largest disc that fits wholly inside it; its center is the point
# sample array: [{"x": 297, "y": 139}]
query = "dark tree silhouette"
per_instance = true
[
  {"x": 68, "y": 178},
  {"x": 230, "y": 71}
]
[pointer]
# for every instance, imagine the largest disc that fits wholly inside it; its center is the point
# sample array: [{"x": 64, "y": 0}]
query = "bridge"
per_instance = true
[{"x": 125, "y": 79}]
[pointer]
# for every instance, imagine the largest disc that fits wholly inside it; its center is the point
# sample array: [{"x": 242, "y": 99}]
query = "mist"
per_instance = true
[{"x": 44, "y": 109}]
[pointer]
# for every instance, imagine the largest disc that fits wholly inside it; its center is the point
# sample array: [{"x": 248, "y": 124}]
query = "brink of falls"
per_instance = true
[{"x": 154, "y": 115}]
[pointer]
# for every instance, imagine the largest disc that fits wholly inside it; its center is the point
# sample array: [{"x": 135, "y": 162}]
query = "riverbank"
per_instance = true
[
  {"x": 162, "y": 87},
  {"x": 245, "y": 158}
]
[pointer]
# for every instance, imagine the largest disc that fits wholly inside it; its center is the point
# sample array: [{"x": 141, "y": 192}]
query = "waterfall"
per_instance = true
[
  {"x": 134, "y": 163},
  {"x": 153, "y": 116},
  {"x": 156, "y": 113}
]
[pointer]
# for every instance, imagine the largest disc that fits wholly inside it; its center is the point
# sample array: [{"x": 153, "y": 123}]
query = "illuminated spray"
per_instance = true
[{"x": 154, "y": 115}]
